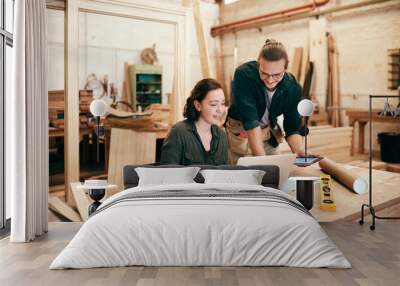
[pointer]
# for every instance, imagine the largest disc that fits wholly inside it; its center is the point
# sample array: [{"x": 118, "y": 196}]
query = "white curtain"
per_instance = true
[{"x": 27, "y": 124}]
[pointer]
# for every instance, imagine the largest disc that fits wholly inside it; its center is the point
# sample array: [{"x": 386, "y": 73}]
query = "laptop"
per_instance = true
[{"x": 284, "y": 162}]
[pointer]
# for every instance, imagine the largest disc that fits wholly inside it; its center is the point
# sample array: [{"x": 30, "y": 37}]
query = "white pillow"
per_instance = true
[
  {"x": 248, "y": 177},
  {"x": 164, "y": 176}
]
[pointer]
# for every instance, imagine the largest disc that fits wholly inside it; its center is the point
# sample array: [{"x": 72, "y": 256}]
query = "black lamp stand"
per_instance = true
[
  {"x": 370, "y": 205},
  {"x": 305, "y": 137},
  {"x": 99, "y": 131},
  {"x": 305, "y": 188},
  {"x": 96, "y": 195}
]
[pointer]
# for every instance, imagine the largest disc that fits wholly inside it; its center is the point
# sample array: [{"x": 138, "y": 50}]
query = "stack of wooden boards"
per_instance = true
[
  {"x": 56, "y": 105},
  {"x": 327, "y": 141}
]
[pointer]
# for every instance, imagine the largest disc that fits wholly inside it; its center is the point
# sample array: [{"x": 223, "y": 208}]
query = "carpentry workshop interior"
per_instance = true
[{"x": 219, "y": 133}]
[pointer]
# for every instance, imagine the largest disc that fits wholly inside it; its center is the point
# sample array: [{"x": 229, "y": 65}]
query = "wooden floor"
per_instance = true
[{"x": 374, "y": 255}]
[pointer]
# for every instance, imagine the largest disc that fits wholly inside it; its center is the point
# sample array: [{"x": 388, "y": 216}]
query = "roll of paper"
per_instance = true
[{"x": 344, "y": 176}]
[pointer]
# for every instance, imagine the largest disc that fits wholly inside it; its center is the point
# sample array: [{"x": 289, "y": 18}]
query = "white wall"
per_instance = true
[{"x": 106, "y": 42}]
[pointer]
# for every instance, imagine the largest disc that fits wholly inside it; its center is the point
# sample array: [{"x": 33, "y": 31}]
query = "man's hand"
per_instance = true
[
  {"x": 256, "y": 142},
  {"x": 296, "y": 145}
]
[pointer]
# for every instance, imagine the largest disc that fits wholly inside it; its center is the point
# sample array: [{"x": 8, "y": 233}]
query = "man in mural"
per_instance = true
[{"x": 261, "y": 91}]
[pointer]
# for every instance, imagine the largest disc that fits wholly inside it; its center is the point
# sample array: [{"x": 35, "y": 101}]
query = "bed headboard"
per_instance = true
[{"x": 270, "y": 179}]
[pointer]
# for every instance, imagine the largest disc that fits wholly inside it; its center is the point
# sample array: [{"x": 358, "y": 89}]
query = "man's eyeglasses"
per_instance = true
[{"x": 275, "y": 76}]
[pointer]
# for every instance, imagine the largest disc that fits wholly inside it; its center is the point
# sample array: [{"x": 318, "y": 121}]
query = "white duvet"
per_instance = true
[{"x": 185, "y": 231}]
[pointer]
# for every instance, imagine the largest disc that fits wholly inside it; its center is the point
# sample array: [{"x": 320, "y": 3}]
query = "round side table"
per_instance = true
[{"x": 96, "y": 193}]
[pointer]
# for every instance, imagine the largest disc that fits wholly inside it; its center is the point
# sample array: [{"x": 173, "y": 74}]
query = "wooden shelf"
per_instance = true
[{"x": 146, "y": 81}]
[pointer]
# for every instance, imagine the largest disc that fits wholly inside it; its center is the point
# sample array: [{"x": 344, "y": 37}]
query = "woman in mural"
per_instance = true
[{"x": 198, "y": 139}]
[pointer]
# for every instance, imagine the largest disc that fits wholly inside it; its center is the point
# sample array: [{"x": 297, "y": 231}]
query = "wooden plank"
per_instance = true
[
  {"x": 392, "y": 167},
  {"x": 304, "y": 65},
  {"x": 320, "y": 141},
  {"x": 319, "y": 118},
  {"x": 335, "y": 86},
  {"x": 201, "y": 40},
  {"x": 82, "y": 200},
  {"x": 378, "y": 165},
  {"x": 312, "y": 128},
  {"x": 338, "y": 135},
  {"x": 219, "y": 67},
  {"x": 327, "y": 135},
  {"x": 56, "y": 188},
  {"x": 296, "y": 63},
  {"x": 344, "y": 129},
  {"x": 329, "y": 98},
  {"x": 57, "y": 205},
  {"x": 129, "y": 147},
  {"x": 126, "y": 95}
]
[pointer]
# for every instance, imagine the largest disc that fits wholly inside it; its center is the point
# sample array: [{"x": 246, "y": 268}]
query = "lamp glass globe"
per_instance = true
[
  {"x": 305, "y": 107},
  {"x": 98, "y": 107}
]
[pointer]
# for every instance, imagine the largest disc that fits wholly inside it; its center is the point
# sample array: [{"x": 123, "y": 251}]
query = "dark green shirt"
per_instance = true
[
  {"x": 183, "y": 146},
  {"x": 248, "y": 102}
]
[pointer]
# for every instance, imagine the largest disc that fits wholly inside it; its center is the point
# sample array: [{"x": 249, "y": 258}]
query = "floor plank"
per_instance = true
[{"x": 375, "y": 257}]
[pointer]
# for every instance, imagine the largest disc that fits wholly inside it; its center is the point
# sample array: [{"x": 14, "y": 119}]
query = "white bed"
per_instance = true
[{"x": 225, "y": 225}]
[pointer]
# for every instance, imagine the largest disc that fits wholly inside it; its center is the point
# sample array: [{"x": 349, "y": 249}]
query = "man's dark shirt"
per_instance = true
[
  {"x": 183, "y": 146},
  {"x": 248, "y": 102}
]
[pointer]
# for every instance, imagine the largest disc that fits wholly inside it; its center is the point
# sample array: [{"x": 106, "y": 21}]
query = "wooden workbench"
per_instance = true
[
  {"x": 386, "y": 193},
  {"x": 362, "y": 117}
]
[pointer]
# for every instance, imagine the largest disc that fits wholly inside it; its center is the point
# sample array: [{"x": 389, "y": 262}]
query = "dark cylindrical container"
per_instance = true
[
  {"x": 390, "y": 146},
  {"x": 305, "y": 193}
]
